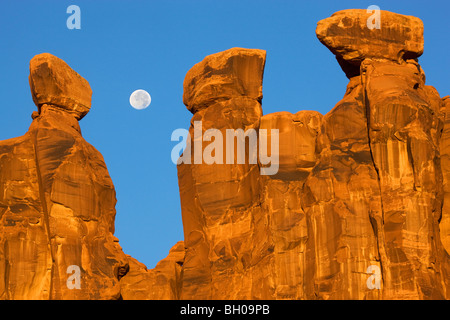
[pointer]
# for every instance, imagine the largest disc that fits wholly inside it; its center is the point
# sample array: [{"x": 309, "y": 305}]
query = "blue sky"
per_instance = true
[{"x": 127, "y": 45}]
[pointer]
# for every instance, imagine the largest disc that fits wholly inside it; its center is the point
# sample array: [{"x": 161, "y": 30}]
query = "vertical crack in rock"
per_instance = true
[
  {"x": 43, "y": 202},
  {"x": 377, "y": 225}
]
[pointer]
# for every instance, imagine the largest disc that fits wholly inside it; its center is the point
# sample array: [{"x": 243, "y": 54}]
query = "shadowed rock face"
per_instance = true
[{"x": 364, "y": 186}]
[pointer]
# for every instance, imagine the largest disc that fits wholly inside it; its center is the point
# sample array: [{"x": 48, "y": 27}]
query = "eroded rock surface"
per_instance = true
[
  {"x": 57, "y": 200},
  {"x": 347, "y": 34},
  {"x": 160, "y": 283},
  {"x": 219, "y": 200},
  {"x": 360, "y": 189},
  {"x": 53, "y": 82}
]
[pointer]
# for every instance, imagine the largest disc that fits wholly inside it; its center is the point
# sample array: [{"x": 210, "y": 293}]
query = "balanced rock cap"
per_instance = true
[
  {"x": 224, "y": 75},
  {"x": 53, "y": 82},
  {"x": 347, "y": 35}
]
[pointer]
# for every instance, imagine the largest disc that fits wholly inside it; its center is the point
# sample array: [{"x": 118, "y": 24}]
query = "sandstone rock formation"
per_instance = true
[
  {"x": 444, "y": 223},
  {"x": 53, "y": 82},
  {"x": 57, "y": 200},
  {"x": 347, "y": 34},
  {"x": 161, "y": 283},
  {"x": 224, "y": 92},
  {"x": 365, "y": 187},
  {"x": 357, "y": 189}
]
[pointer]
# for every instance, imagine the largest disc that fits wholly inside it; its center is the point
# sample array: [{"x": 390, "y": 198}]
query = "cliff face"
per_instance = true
[
  {"x": 362, "y": 189},
  {"x": 57, "y": 201}
]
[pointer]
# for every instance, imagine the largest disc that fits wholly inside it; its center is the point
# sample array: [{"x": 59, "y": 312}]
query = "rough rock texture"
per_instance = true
[
  {"x": 161, "y": 283},
  {"x": 347, "y": 35},
  {"x": 365, "y": 186},
  {"x": 219, "y": 200},
  {"x": 53, "y": 82},
  {"x": 445, "y": 166},
  {"x": 362, "y": 187},
  {"x": 57, "y": 200},
  {"x": 224, "y": 75}
]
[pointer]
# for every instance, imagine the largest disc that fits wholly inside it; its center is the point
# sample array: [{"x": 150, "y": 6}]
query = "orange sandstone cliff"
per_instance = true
[
  {"x": 364, "y": 187},
  {"x": 57, "y": 200}
]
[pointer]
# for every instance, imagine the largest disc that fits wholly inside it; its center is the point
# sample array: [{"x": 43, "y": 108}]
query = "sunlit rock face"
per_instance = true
[
  {"x": 357, "y": 208},
  {"x": 356, "y": 35},
  {"x": 53, "y": 82},
  {"x": 57, "y": 200},
  {"x": 362, "y": 188}
]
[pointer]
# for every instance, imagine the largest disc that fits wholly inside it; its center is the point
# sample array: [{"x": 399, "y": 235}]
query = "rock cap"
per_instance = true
[
  {"x": 53, "y": 81},
  {"x": 347, "y": 35},
  {"x": 232, "y": 73}
]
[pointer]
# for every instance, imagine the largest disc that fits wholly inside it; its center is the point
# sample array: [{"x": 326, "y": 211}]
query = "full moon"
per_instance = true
[{"x": 140, "y": 99}]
